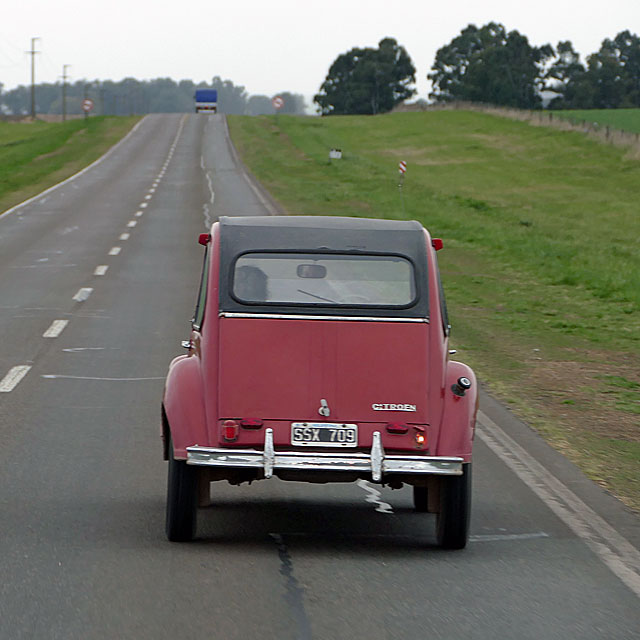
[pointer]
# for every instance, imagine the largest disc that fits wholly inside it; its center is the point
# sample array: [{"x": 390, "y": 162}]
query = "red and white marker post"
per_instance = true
[{"x": 402, "y": 169}]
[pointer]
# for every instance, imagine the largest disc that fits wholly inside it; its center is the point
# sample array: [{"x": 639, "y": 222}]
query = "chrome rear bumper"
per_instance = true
[{"x": 376, "y": 462}]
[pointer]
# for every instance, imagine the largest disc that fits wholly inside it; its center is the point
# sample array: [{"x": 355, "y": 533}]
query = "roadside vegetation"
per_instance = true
[
  {"x": 623, "y": 119},
  {"x": 541, "y": 262},
  {"x": 37, "y": 155}
]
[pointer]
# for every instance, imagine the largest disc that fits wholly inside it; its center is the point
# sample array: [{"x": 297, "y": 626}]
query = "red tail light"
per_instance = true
[
  {"x": 251, "y": 423},
  {"x": 397, "y": 427},
  {"x": 230, "y": 430}
]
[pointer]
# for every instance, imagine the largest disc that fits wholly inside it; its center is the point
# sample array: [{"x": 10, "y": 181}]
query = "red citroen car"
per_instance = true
[{"x": 319, "y": 353}]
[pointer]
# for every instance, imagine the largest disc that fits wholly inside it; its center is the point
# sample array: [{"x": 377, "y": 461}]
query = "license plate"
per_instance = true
[{"x": 323, "y": 434}]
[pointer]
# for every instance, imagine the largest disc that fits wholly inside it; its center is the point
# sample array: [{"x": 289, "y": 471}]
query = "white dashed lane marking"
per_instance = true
[
  {"x": 83, "y": 294},
  {"x": 13, "y": 377},
  {"x": 56, "y": 328},
  {"x": 17, "y": 373}
]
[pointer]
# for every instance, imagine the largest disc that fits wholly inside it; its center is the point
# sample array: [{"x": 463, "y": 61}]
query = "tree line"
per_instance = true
[
  {"x": 485, "y": 64},
  {"x": 488, "y": 65},
  {"x": 131, "y": 97}
]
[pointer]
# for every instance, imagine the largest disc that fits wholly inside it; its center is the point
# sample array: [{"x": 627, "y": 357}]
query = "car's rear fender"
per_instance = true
[
  {"x": 457, "y": 427},
  {"x": 183, "y": 409}
]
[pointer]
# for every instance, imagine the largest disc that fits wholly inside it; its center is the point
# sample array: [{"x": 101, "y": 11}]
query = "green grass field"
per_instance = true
[
  {"x": 624, "y": 119},
  {"x": 541, "y": 262},
  {"x": 36, "y": 155}
]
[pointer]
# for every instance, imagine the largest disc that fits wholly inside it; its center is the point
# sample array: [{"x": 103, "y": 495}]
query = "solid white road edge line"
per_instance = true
[
  {"x": 13, "y": 377},
  {"x": 56, "y": 328},
  {"x": 75, "y": 175},
  {"x": 613, "y": 549},
  {"x": 265, "y": 203}
]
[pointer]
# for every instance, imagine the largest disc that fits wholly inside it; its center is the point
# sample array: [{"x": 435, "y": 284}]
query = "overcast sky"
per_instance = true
[{"x": 271, "y": 45}]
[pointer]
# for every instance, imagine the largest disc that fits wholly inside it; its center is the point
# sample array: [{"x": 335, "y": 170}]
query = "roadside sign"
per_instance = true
[
  {"x": 402, "y": 167},
  {"x": 87, "y": 105},
  {"x": 277, "y": 102}
]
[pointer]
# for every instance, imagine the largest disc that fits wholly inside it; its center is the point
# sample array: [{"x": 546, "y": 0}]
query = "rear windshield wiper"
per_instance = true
[{"x": 313, "y": 295}]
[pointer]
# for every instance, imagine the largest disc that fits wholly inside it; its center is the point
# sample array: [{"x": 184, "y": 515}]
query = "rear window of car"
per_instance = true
[{"x": 324, "y": 279}]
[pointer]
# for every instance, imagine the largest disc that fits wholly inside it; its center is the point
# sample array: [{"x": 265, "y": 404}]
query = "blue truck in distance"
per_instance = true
[{"x": 206, "y": 100}]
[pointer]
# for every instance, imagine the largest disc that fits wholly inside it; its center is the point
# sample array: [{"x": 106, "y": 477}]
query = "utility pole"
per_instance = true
[
  {"x": 64, "y": 91},
  {"x": 32, "y": 53}
]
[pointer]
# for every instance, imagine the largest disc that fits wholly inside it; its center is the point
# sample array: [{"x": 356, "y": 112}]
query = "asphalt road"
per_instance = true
[{"x": 82, "y": 481}]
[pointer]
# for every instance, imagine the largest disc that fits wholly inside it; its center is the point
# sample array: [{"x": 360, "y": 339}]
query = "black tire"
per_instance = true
[
  {"x": 182, "y": 499},
  {"x": 452, "y": 522},
  {"x": 421, "y": 499}
]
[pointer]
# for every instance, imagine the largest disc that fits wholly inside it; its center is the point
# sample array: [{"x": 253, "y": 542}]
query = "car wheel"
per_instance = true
[
  {"x": 182, "y": 499},
  {"x": 452, "y": 522},
  {"x": 420, "y": 499}
]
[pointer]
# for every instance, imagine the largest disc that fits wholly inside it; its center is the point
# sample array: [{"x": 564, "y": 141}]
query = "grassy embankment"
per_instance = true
[
  {"x": 541, "y": 262},
  {"x": 624, "y": 119},
  {"x": 37, "y": 155}
]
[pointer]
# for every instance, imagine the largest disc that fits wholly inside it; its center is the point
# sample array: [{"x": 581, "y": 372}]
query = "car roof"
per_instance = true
[
  {"x": 319, "y": 222},
  {"x": 310, "y": 233}
]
